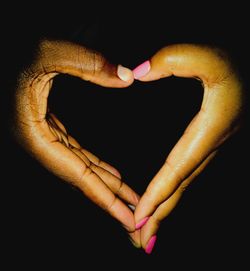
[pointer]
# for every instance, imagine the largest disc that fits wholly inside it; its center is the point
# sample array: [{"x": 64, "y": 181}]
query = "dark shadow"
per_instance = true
[{"x": 49, "y": 222}]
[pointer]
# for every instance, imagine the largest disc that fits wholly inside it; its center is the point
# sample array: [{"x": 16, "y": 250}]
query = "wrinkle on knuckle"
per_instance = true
[
  {"x": 109, "y": 207},
  {"x": 86, "y": 174},
  {"x": 92, "y": 166},
  {"x": 89, "y": 61},
  {"x": 156, "y": 220},
  {"x": 173, "y": 169},
  {"x": 99, "y": 63},
  {"x": 81, "y": 58},
  {"x": 119, "y": 189}
]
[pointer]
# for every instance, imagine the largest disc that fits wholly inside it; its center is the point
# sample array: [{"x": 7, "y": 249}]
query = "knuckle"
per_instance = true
[
  {"x": 90, "y": 62},
  {"x": 86, "y": 174},
  {"x": 99, "y": 63},
  {"x": 156, "y": 220},
  {"x": 174, "y": 170},
  {"x": 109, "y": 207},
  {"x": 119, "y": 189}
]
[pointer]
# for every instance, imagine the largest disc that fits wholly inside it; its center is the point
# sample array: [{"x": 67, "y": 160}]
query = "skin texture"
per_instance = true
[
  {"x": 217, "y": 120},
  {"x": 46, "y": 139}
]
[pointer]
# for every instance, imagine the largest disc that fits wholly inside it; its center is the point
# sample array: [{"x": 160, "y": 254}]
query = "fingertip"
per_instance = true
[
  {"x": 150, "y": 245},
  {"x": 141, "y": 70},
  {"x": 137, "y": 198},
  {"x": 147, "y": 71},
  {"x": 125, "y": 74},
  {"x": 135, "y": 239},
  {"x": 115, "y": 172},
  {"x": 135, "y": 244},
  {"x": 149, "y": 235},
  {"x": 141, "y": 223},
  {"x": 123, "y": 214}
]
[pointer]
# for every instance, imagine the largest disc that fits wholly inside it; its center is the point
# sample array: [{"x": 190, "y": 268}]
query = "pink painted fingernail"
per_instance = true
[
  {"x": 141, "y": 223},
  {"x": 151, "y": 244},
  {"x": 141, "y": 70}
]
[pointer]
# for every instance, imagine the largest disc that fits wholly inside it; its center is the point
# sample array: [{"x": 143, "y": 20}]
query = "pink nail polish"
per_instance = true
[
  {"x": 150, "y": 244},
  {"x": 141, "y": 70},
  {"x": 141, "y": 223}
]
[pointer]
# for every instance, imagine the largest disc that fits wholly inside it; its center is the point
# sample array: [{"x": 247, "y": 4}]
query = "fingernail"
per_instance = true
[
  {"x": 141, "y": 223},
  {"x": 132, "y": 207},
  {"x": 141, "y": 70},
  {"x": 124, "y": 73},
  {"x": 151, "y": 244}
]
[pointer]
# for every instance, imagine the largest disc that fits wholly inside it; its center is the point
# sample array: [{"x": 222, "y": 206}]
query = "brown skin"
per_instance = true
[
  {"x": 45, "y": 137},
  {"x": 217, "y": 120}
]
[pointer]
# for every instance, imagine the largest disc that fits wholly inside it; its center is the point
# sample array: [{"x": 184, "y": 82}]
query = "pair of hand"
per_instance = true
[{"x": 46, "y": 139}]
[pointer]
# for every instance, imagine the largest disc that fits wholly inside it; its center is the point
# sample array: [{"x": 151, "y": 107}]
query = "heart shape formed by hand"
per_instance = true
[{"x": 45, "y": 137}]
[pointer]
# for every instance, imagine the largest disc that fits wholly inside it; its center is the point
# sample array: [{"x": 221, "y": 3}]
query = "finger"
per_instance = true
[
  {"x": 73, "y": 168},
  {"x": 186, "y": 60},
  {"x": 80, "y": 61},
  {"x": 94, "y": 159},
  {"x": 53, "y": 58},
  {"x": 57, "y": 122},
  {"x": 125, "y": 192},
  {"x": 99, "y": 192},
  {"x": 118, "y": 187},
  {"x": 187, "y": 156},
  {"x": 164, "y": 209},
  {"x": 74, "y": 143},
  {"x": 223, "y": 89},
  {"x": 216, "y": 120},
  {"x": 65, "y": 164},
  {"x": 135, "y": 238}
]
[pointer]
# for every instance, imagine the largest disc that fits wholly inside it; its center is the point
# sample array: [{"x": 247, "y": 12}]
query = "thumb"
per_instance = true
[
  {"x": 54, "y": 57},
  {"x": 76, "y": 60},
  {"x": 209, "y": 64}
]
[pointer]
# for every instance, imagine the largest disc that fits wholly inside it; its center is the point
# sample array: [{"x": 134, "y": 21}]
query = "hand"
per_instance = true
[
  {"x": 217, "y": 120},
  {"x": 45, "y": 137}
]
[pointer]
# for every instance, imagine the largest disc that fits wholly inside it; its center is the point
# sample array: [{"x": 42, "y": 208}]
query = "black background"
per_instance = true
[{"x": 49, "y": 223}]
